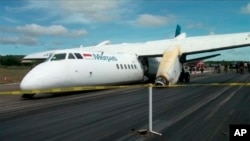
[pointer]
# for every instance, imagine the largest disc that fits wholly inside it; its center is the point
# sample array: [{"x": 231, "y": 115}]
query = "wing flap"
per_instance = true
[{"x": 201, "y": 58}]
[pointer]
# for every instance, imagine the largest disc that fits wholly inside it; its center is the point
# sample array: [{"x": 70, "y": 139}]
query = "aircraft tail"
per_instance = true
[
  {"x": 178, "y": 34},
  {"x": 178, "y": 30}
]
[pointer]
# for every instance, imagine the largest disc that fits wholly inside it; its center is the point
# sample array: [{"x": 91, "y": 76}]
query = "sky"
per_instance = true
[{"x": 30, "y": 26}]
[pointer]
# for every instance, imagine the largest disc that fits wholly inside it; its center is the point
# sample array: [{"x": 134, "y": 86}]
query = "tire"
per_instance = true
[
  {"x": 182, "y": 77},
  {"x": 27, "y": 96},
  {"x": 187, "y": 77}
]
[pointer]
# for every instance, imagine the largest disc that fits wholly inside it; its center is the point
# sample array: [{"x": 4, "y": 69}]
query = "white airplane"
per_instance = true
[{"x": 107, "y": 64}]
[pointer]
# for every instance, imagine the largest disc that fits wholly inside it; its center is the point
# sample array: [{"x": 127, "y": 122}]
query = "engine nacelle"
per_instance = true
[{"x": 170, "y": 68}]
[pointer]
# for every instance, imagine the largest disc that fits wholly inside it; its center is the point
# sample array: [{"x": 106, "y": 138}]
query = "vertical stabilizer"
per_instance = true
[{"x": 178, "y": 30}]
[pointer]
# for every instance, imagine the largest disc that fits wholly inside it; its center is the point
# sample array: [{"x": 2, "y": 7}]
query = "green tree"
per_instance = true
[{"x": 10, "y": 60}]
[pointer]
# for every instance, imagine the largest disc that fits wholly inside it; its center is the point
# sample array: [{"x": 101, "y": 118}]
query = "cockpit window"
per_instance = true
[
  {"x": 60, "y": 56},
  {"x": 50, "y": 56},
  {"x": 71, "y": 56},
  {"x": 78, "y": 55}
]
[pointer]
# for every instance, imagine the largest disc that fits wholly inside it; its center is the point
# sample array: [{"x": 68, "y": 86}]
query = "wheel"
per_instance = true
[
  {"x": 187, "y": 77},
  {"x": 182, "y": 77},
  {"x": 27, "y": 96}
]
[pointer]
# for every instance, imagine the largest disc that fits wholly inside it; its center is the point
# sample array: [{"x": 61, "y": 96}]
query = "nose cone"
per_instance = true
[
  {"x": 31, "y": 80},
  {"x": 45, "y": 76},
  {"x": 37, "y": 78}
]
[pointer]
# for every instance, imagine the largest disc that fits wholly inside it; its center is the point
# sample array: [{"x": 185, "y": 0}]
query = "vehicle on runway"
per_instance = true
[{"x": 127, "y": 62}]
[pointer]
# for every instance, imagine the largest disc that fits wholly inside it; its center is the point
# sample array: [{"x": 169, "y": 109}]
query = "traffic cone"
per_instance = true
[{"x": 5, "y": 80}]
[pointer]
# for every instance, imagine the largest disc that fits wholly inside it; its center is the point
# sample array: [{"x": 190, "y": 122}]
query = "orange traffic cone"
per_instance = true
[{"x": 5, "y": 80}]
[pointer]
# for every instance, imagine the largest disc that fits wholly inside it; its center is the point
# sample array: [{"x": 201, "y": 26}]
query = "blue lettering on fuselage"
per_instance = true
[{"x": 104, "y": 58}]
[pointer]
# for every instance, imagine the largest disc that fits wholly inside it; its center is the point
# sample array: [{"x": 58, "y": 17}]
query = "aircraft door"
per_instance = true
[
  {"x": 144, "y": 65},
  {"x": 139, "y": 68}
]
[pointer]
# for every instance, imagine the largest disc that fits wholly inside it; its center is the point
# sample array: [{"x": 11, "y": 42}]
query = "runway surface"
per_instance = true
[{"x": 199, "y": 113}]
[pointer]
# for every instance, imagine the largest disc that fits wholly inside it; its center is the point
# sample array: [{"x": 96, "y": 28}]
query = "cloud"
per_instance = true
[
  {"x": 38, "y": 30},
  {"x": 34, "y": 30},
  {"x": 72, "y": 19},
  {"x": 10, "y": 20},
  {"x": 29, "y": 34},
  {"x": 18, "y": 40},
  {"x": 246, "y": 9},
  {"x": 75, "y": 11},
  {"x": 153, "y": 20},
  {"x": 89, "y": 6},
  {"x": 195, "y": 25},
  {"x": 92, "y": 11},
  {"x": 78, "y": 33},
  {"x": 211, "y": 33},
  {"x": 37, "y": 10}
]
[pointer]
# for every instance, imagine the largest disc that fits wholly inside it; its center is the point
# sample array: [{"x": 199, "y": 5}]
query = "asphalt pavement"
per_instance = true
[{"x": 191, "y": 113}]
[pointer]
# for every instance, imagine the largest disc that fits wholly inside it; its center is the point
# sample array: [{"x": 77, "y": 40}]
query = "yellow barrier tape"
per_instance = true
[
  {"x": 85, "y": 88},
  {"x": 205, "y": 84},
  {"x": 67, "y": 89}
]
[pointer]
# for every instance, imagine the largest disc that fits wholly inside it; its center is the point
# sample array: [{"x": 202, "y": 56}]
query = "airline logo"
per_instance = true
[
  {"x": 104, "y": 58},
  {"x": 99, "y": 57}
]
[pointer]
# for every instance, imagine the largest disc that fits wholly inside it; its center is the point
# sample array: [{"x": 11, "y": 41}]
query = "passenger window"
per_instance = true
[
  {"x": 128, "y": 66},
  {"x": 125, "y": 66},
  {"x": 117, "y": 66},
  {"x": 132, "y": 66},
  {"x": 121, "y": 66},
  {"x": 56, "y": 57},
  {"x": 78, "y": 56},
  {"x": 135, "y": 66},
  {"x": 71, "y": 56}
]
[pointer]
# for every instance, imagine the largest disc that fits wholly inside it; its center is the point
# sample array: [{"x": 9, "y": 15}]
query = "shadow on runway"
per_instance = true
[{"x": 56, "y": 95}]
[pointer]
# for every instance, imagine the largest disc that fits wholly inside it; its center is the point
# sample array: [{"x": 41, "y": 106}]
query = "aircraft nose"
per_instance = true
[
  {"x": 28, "y": 83},
  {"x": 35, "y": 79},
  {"x": 31, "y": 82}
]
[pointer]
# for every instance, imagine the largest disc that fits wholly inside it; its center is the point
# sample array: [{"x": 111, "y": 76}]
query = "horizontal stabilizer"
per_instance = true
[{"x": 201, "y": 58}]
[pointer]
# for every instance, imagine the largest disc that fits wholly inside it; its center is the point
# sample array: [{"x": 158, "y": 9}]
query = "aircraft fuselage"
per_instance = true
[{"x": 64, "y": 69}]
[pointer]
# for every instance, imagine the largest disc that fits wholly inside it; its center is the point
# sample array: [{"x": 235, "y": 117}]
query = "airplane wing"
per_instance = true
[
  {"x": 202, "y": 44},
  {"x": 41, "y": 56},
  {"x": 186, "y": 45},
  {"x": 194, "y": 45}
]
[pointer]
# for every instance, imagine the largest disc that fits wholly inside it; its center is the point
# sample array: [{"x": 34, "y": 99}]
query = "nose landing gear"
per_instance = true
[{"x": 27, "y": 96}]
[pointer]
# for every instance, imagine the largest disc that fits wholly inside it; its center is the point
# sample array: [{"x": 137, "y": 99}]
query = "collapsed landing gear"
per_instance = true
[{"x": 185, "y": 76}]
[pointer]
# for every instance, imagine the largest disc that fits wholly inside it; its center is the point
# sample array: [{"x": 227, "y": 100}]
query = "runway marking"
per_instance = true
[{"x": 86, "y": 88}]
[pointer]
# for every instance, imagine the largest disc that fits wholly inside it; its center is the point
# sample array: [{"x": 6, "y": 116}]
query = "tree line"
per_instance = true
[{"x": 11, "y": 60}]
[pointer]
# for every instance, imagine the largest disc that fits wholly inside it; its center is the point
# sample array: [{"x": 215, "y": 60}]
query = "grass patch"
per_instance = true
[{"x": 13, "y": 74}]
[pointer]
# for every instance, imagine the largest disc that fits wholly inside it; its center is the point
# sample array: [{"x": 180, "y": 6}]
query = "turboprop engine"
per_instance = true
[{"x": 170, "y": 68}]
